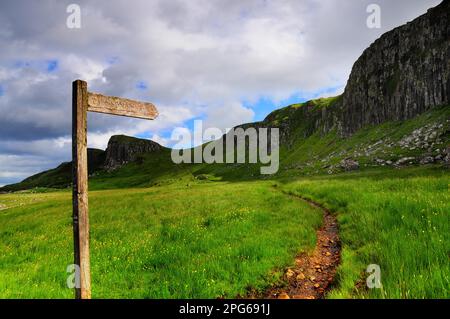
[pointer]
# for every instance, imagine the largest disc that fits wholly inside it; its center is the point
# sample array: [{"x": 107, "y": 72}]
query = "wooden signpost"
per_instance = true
[{"x": 82, "y": 102}]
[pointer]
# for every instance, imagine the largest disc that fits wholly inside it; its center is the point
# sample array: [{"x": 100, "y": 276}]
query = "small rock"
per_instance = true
[
  {"x": 446, "y": 151},
  {"x": 301, "y": 276},
  {"x": 427, "y": 160},
  {"x": 290, "y": 273},
  {"x": 349, "y": 164},
  {"x": 284, "y": 296},
  {"x": 404, "y": 160}
]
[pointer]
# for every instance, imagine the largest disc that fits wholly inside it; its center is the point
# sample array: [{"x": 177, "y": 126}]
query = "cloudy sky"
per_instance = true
[{"x": 225, "y": 62}]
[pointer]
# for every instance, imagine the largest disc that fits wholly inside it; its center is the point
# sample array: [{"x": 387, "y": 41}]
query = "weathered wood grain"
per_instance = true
[
  {"x": 119, "y": 106},
  {"x": 82, "y": 102},
  {"x": 80, "y": 187}
]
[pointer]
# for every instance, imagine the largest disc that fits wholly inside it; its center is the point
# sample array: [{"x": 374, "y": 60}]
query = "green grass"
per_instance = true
[
  {"x": 202, "y": 230},
  {"x": 208, "y": 239},
  {"x": 305, "y": 156},
  {"x": 398, "y": 220},
  {"x": 200, "y": 241}
]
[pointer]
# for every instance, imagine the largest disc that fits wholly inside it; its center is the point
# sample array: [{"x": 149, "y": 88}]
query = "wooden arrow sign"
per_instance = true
[
  {"x": 82, "y": 102},
  {"x": 119, "y": 106}
]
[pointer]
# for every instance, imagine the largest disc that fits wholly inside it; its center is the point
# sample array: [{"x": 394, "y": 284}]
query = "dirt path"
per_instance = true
[{"x": 312, "y": 275}]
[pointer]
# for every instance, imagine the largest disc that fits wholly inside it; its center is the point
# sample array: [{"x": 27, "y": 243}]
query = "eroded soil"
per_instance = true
[{"x": 313, "y": 274}]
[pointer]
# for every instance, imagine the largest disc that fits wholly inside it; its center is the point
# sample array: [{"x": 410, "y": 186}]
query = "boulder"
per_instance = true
[
  {"x": 427, "y": 160},
  {"x": 349, "y": 164},
  {"x": 404, "y": 161}
]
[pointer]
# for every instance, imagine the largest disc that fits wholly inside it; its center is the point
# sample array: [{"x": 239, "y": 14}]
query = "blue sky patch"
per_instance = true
[
  {"x": 52, "y": 65},
  {"x": 47, "y": 66},
  {"x": 265, "y": 105},
  {"x": 2, "y": 91},
  {"x": 141, "y": 85}
]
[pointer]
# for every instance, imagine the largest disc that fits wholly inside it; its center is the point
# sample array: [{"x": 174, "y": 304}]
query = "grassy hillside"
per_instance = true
[
  {"x": 303, "y": 152},
  {"x": 59, "y": 177},
  {"x": 314, "y": 155}
]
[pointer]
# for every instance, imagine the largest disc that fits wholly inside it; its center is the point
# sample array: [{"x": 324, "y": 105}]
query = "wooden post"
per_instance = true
[
  {"x": 80, "y": 188},
  {"x": 82, "y": 102}
]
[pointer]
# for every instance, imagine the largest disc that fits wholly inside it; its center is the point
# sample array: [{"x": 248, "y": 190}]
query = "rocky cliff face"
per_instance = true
[
  {"x": 124, "y": 149},
  {"x": 96, "y": 158},
  {"x": 402, "y": 74}
]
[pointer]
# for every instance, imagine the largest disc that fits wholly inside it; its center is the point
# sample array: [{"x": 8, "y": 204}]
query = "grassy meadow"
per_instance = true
[
  {"x": 162, "y": 230},
  {"x": 182, "y": 241},
  {"x": 397, "y": 220},
  {"x": 208, "y": 239}
]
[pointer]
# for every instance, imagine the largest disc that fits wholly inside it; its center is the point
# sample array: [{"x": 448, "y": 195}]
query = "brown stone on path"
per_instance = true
[
  {"x": 311, "y": 275},
  {"x": 301, "y": 276},
  {"x": 290, "y": 273}
]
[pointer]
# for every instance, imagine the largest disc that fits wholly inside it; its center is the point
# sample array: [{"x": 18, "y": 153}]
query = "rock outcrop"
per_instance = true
[
  {"x": 124, "y": 149},
  {"x": 402, "y": 74},
  {"x": 96, "y": 159}
]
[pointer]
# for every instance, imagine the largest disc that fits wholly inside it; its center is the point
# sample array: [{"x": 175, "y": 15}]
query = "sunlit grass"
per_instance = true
[
  {"x": 203, "y": 241},
  {"x": 401, "y": 224}
]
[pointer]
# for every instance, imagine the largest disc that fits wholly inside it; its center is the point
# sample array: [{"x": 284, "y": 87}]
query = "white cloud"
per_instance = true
[
  {"x": 161, "y": 140},
  {"x": 228, "y": 115},
  {"x": 200, "y": 59}
]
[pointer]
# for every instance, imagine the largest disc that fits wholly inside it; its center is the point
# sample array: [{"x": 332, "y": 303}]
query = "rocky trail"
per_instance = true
[{"x": 313, "y": 275}]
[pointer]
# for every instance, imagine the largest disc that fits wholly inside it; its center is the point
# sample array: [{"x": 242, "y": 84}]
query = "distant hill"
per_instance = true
[
  {"x": 395, "y": 111},
  {"x": 121, "y": 150}
]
